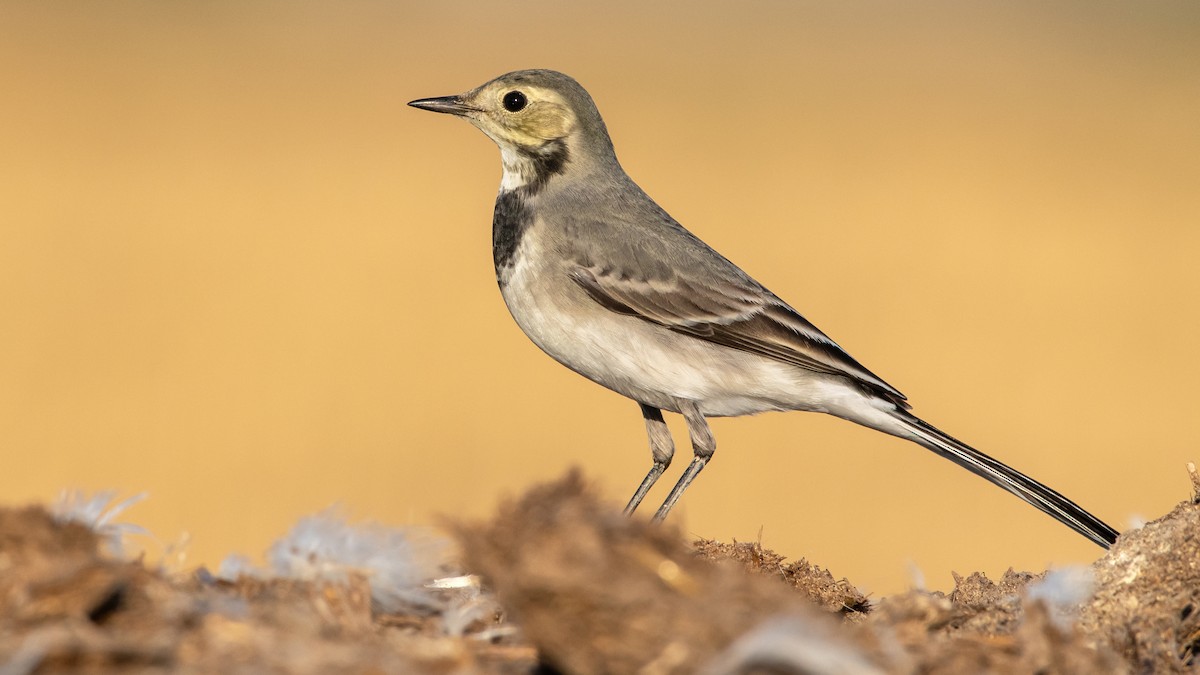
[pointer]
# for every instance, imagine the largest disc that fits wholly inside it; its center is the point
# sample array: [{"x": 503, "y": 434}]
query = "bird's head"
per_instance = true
[{"x": 541, "y": 119}]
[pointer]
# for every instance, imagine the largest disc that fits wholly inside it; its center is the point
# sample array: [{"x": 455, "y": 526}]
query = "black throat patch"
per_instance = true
[
  {"x": 512, "y": 216},
  {"x": 545, "y": 165}
]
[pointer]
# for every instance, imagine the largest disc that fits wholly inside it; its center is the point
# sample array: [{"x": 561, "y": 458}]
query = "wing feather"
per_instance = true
[{"x": 730, "y": 310}]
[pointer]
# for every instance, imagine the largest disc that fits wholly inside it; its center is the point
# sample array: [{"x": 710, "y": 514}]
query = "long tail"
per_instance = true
[{"x": 1044, "y": 498}]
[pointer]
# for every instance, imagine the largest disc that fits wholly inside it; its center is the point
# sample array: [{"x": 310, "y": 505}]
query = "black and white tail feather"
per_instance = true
[{"x": 1044, "y": 498}]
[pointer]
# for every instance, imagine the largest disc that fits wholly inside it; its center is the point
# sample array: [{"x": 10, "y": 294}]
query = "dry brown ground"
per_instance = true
[{"x": 581, "y": 589}]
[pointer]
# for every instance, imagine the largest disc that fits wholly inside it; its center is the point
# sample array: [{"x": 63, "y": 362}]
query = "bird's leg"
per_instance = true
[
  {"x": 662, "y": 448},
  {"x": 703, "y": 444}
]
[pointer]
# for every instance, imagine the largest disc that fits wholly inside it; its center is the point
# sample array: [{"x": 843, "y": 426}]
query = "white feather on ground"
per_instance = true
[
  {"x": 1064, "y": 590},
  {"x": 98, "y": 513},
  {"x": 400, "y": 564}
]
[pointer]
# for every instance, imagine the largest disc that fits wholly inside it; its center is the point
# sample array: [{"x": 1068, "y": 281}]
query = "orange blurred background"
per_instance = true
[{"x": 238, "y": 273}]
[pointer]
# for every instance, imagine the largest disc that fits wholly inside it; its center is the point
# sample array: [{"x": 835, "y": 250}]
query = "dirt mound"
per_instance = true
[{"x": 578, "y": 588}]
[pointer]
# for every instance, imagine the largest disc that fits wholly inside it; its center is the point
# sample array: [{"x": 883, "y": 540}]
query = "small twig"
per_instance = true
[{"x": 1191, "y": 467}]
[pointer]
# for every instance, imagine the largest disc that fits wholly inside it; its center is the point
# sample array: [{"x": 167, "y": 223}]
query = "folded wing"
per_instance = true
[{"x": 730, "y": 310}]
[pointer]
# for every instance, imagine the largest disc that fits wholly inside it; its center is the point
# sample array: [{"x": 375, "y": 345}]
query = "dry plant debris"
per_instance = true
[{"x": 66, "y": 607}]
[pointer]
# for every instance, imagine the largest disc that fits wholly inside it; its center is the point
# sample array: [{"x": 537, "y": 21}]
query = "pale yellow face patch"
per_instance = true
[{"x": 545, "y": 117}]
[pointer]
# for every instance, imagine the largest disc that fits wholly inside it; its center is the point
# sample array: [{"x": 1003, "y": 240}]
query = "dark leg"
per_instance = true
[
  {"x": 703, "y": 444},
  {"x": 662, "y": 448}
]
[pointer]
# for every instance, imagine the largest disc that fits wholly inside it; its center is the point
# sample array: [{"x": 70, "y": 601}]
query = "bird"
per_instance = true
[{"x": 608, "y": 284}]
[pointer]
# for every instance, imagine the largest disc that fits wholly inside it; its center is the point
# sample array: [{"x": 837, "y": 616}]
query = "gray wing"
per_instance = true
[{"x": 675, "y": 280}]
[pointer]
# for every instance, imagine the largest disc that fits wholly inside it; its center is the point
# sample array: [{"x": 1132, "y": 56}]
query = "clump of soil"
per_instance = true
[
  {"x": 581, "y": 589},
  {"x": 817, "y": 584},
  {"x": 597, "y": 592},
  {"x": 1147, "y": 601}
]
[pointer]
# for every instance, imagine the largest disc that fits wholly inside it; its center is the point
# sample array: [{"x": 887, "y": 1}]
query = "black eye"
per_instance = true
[{"x": 514, "y": 101}]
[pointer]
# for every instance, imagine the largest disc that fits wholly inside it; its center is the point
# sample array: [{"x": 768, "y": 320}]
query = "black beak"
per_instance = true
[{"x": 444, "y": 104}]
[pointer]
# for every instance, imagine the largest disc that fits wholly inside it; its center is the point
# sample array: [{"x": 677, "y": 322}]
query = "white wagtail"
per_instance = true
[{"x": 610, "y": 286}]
